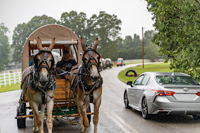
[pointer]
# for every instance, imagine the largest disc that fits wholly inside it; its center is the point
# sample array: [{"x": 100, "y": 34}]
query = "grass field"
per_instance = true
[
  {"x": 12, "y": 87},
  {"x": 160, "y": 67}
]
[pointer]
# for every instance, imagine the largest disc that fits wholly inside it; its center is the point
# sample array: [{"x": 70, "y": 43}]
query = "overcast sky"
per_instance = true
[{"x": 132, "y": 13}]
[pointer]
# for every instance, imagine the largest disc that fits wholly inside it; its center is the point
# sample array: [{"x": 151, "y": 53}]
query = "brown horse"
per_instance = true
[
  {"x": 38, "y": 86},
  {"x": 88, "y": 86}
]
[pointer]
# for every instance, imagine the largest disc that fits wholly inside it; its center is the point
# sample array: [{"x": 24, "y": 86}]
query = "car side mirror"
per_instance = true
[{"x": 129, "y": 83}]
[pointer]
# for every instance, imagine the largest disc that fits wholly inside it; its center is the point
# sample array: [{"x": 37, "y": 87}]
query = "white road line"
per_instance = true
[
  {"x": 119, "y": 124},
  {"x": 125, "y": 123}
]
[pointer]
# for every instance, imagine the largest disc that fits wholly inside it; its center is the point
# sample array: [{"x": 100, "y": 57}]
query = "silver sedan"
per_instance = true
[{"x": 163, "y": 93}]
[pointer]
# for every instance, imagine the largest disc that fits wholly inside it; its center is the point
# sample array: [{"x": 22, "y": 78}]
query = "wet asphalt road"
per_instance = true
[{"x": 113, "y": 117}]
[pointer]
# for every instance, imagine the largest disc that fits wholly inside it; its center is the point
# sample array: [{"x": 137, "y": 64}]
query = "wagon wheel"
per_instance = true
[
  {"x": 21, "y": 111},
  {"x": 89, "y": 111}
]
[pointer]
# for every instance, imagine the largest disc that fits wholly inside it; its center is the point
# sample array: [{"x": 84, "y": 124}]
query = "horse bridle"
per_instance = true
[
  {"x": 91, "y": 57},
  {"x": 45, "y": 56}
]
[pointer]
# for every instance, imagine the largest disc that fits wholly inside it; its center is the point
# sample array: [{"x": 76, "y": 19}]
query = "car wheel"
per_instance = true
[
  {"x": 196, "y": 117},
  {"x": 145, "y": 114},
  {"x": 126, "y": 102}
]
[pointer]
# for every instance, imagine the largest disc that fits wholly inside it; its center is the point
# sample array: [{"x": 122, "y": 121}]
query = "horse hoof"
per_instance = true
[{"x": 35, "y": 131}]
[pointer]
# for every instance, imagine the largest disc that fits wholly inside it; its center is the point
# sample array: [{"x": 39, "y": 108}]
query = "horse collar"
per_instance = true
[
  {"x": 33, "y": 83},
  {"x": 84, "y": 84}
]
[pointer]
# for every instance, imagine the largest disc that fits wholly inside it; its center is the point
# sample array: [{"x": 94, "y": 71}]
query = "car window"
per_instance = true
[
  {"x": 181, "y": 80},
  {"x": 145, "y": 80},
  {"x": 138, "y": 80}
]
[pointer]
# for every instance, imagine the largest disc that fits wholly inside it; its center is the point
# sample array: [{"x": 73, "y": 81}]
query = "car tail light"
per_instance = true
[
  {"x": 198, "y": 93},
  {"x": 164, "y": 93}
]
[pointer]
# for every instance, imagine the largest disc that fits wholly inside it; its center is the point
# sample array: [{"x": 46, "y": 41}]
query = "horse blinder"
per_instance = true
[
  {"x": 45, "y": 56},
  {"x": 91, "y": 57}
]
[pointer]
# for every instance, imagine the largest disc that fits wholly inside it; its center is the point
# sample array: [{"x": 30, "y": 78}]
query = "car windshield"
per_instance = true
[{"x": 181, "y": 80}]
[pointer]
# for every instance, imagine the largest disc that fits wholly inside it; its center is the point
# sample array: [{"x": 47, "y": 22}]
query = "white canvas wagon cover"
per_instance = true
[{"x": 47, "y": 33}]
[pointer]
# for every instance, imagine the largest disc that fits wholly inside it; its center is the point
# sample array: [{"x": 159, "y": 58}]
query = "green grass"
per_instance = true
[
  {"x": 160, "y": 67},
  {"x": 12, "y": 87}
]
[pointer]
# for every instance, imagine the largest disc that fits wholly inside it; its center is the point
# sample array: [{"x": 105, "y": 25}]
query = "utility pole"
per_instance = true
[{"x": 142, "y": 48}]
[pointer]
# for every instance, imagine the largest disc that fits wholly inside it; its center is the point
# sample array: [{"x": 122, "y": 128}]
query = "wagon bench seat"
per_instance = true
[{"x": 62, "y": 90}]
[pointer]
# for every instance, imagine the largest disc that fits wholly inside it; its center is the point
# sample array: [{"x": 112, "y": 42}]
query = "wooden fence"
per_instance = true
[{"x": 10, "y": 78}]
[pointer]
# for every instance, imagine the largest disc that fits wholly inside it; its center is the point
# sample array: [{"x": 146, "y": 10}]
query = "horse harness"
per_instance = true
[
  {"x": 34, "y": 84},
  {"x": 45, "y": 56},
  {"x": 89, "y": 88},
  {"x": 91, "y": 57},
  {"x": 33, "y": 76},
  {"x": 85, "y": 69}
]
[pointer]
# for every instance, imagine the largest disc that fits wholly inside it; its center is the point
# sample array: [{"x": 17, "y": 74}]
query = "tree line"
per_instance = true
[
  {"x": 104, "y": 26},
  {"x": 4, "y": 47},
  {"x": 131, "y": 47}
]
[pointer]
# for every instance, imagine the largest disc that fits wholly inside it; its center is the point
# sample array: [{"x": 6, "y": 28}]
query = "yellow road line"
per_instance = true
[
  {"x": 125, "y": 123},
  {"x": 119, "y": 124}
]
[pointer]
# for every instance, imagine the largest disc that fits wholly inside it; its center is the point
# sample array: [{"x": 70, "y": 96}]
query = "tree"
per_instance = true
[
  {"x": 136, "y": 40},
  {"x": 133, "y": 45},
  {"x": 148, "y": 35},
  {"x": 91, "y": 30},
  {"x": 22, "y": 32},
  {"x": 122, "y": 53},
  {"x": 138, "y": 52},
  {"x": 128, "y": 42},
  {"x": 4, "y": 47},
  {"x": 177, "y": 23},
  {"x": 151, "y": 52},
  {"x": 76, "y": 22},
  {"x": 131, "y": 53},
  {"x": 104, "y": 26},
  {"x": 120, "y": 42},
  {"x": 107, "y": 28}
]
